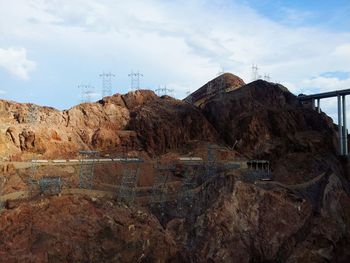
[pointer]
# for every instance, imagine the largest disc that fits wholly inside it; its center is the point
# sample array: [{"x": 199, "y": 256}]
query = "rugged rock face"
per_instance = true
[
  {"x": 218, "y": 86},
  {"x": 264, "y": 120},
  {"x": 253, "y": 224},
  {"x": 166, "y": 123},
  {"x": 136, "y": 121},
  {"x": 302, "y": 215},
  {"x": 78, "y": 229}
]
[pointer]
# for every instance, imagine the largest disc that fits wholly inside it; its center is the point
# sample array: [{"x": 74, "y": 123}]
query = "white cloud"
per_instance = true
[
  {"x": 15, "y": 61},
  {"x": 179, "y": 43}
]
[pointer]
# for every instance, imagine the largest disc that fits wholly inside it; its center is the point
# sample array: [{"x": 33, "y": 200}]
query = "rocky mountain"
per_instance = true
[
  {"x": 222, "y": 84},
  {"x": 300, "y": 214},
  {"x": 139, "y": 121}
]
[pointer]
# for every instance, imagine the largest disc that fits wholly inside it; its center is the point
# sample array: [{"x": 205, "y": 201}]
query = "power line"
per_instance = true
[
  {"x": 255, "y": 72},
  {"x": 107, "y": 83},
  {"x": 135, "y": 80}
]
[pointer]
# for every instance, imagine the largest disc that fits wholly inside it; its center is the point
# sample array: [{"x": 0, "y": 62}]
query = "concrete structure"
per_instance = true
[{"x": 342, "y": 125}]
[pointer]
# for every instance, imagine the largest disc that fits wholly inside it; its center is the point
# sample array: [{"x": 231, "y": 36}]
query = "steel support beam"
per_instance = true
[
  {"x": 318, "y": 106},
  {"x": 313, "y": 104},
  {"x": 340, "y": 126},
  {"x": 345, "y": 130}
]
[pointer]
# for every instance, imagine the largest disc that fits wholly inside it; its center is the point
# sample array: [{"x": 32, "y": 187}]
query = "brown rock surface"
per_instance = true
[
  {"x": 82, "y": 229},
  {"x": 220, "y": 85},
  {"x": 265, "y": 121},
  {"x": 139, "y": 120},
  {"x": 301, "y": 216}
]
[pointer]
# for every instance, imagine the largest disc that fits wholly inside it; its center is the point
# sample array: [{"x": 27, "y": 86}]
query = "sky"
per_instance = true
[{"x": 49, "y": 48}]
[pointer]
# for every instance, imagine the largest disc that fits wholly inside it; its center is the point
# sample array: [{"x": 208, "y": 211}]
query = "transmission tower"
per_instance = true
[
  {"x": 87, "y": 91},
  {"x": 267, "y": 77},
  {"x": 163, "y": 90},
  {"x": 255, "y": 72},
  {"x": 87, "y": 164},
  {"x": 127, "y": 189},
  {"x": 220, "y": 72},
  {"x": 135, "y": 80},
  {"x": 106, "y": 83}
]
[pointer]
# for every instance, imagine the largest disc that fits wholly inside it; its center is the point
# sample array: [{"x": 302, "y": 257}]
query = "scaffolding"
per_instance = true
[
  {"x": 50, "y": 185},
  {"x": 130, "y": 177},
  {"x": 87, "y": 165}
]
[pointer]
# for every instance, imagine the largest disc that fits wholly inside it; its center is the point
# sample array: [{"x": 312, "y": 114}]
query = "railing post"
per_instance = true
[
  {"x": 340, "y": 126},
  {"x": 345, "y": 130}
]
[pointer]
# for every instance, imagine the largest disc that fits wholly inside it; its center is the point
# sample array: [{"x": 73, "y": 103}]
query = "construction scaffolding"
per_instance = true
[
  {"x": 130, "y": 178},
  {"x": 87, "y": 161},
  {"x": 50, "y": 185}
]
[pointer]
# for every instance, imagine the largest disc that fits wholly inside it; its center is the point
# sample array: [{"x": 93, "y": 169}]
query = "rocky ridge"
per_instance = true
[{"x": 302, "y": 215}]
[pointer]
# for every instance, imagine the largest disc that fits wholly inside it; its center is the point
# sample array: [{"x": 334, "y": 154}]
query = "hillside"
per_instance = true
[{"x": 200, "y": 211}]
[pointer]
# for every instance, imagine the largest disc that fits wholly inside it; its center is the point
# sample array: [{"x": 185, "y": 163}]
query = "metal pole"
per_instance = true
[
  {"x": 340, "y": 129},
  {"x": 345, "y": 131},
  {"x": 318, "y": 106}
]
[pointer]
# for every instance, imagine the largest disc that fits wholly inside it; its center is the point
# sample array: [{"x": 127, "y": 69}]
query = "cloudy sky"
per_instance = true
[{"x": 48, "y": 48}]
